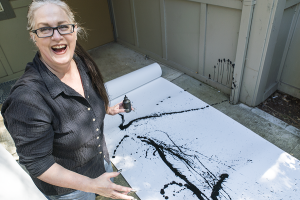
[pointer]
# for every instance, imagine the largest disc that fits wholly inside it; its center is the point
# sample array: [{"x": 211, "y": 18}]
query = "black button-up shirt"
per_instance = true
[{"x": 52, "y": 123}]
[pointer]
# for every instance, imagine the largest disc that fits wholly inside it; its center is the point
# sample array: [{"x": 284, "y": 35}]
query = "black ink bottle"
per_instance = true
[{"x": 127, "y": 104}]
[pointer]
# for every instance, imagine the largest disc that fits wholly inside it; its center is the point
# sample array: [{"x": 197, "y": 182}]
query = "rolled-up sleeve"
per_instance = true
[{"x": 28, "y": 119}]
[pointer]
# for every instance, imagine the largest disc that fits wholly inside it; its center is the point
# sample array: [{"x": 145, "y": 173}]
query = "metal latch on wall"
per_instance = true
[{"x": 1, "y": 8}]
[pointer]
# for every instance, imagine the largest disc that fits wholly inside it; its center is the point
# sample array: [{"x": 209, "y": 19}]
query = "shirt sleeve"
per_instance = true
[{"x": 28, "y": 119}]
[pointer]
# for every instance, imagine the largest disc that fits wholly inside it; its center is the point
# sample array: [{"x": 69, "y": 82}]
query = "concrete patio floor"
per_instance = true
[{"x": 115, "y": 60}]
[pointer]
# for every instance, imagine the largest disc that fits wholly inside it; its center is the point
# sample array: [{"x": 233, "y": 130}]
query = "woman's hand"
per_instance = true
[
  {"x": 116, "y": 109},
  {"x": 104, "y": 187},
  {"x": 60, "y": 176}
]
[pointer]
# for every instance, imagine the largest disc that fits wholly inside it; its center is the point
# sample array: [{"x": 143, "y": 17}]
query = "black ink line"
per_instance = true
[
  {"x": 122, "y": 126},
  {"x": 160, "y": 151},
  {"x": 188, "y": 164},
  {"x": 126, "y": 136},
  {"x": 227, "y": 81},
  {"x": 214, "y": 72},
  {"x": 185, "y": 159},
  {"x": 176, "y": 151},
  {"x": 218, "y": 187},
  {"x": 218, "y": 70},
  {"x": 219, "y": 103},
  {"x": 223, "y": 66},
  {"x": 214, "y": 178}
]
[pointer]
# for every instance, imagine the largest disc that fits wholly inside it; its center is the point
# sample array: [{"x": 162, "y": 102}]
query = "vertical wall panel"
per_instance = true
[
  {"x": 223, "y": 26},
  {"x": 123, "y": 17},
  {"x": 183, "y": 32},
  {"x": 148, "y": 22},
  {"x": 291, "y": 70},
  {"x": 280, "y": 45},
  {"x": 264, "y": 32},
  {"x": 98, "y": 24},
  {"x": 15, "y": 41}
]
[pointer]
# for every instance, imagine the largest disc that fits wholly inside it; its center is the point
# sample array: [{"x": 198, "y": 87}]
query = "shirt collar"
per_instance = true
[{"x": 54, "y": 84}]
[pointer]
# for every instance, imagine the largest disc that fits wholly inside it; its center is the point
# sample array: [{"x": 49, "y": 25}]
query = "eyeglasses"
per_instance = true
[{"x": 49, "y": 31}]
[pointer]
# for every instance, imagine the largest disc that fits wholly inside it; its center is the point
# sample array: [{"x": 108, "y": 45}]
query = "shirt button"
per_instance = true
[
  {"x": 97, "y": 129},
  {"x": 104, "y": 156},
  {"x": 88, "y": 96},
  {"x": 94, "y": 119},
  {"x": 99, "y": 145},
  {"x": 100, "y": 152},
  {"x": 89, "y": 108},
  {"x": 97, "y": 138}
]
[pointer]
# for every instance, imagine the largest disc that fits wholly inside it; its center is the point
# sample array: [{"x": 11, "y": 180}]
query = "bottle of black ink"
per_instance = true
[{"x": 127, "y": 104}]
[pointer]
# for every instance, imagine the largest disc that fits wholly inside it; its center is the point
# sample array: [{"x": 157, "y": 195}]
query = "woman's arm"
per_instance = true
[{"x": 59, "y": 176}]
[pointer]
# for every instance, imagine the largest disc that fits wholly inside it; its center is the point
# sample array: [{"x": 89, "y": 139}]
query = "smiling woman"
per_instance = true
[{"x": 55, "y": 111}]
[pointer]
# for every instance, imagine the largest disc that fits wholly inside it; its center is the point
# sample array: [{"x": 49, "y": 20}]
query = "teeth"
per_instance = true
[{"x": 59, "y": 46}]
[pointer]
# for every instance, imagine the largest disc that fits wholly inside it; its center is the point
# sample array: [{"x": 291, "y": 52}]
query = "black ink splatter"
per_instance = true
[
  {"x": 189, "y": 161},
  {"x": 122, "y": 126},
  {"x": 218, "y": 186},
  {"x": 176, "y": 152},
  {"x": 218, "y": 103},
  {"x": 162, "y": 191},
  {"x": 160, "y": 149},
  {"x": 126, "y": 136}
]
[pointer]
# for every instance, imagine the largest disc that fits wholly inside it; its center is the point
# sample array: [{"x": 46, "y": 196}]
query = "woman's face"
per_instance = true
[{"x": 56, "y": 50}]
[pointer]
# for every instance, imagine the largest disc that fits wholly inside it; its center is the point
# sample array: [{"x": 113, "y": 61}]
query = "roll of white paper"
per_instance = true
[{"x": 124, "y": 84}]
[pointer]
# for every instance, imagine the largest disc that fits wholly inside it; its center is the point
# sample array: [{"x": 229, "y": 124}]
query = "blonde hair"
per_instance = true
[{"x": 36, "y": 4}]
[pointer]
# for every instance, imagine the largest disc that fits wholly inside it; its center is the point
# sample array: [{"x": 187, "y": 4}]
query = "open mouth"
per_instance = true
[{"x": 59, "y": 48}]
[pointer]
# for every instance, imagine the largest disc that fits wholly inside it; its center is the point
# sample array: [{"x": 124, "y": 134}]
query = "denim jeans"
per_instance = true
[
  {"x": 80, "y": 195},
  {"x": 76, "y": 195}
]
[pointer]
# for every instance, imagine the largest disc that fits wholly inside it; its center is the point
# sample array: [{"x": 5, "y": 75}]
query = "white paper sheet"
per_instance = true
[
  {"x": 15, "y": 183},
  {"x": 175, "y": 146}
]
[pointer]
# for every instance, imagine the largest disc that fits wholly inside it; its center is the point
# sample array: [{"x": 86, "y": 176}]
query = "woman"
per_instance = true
[{"x": 55, "y": 111}]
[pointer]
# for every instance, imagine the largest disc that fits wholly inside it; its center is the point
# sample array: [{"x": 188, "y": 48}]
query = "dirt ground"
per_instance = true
[{"x": 284, "y": 107}]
